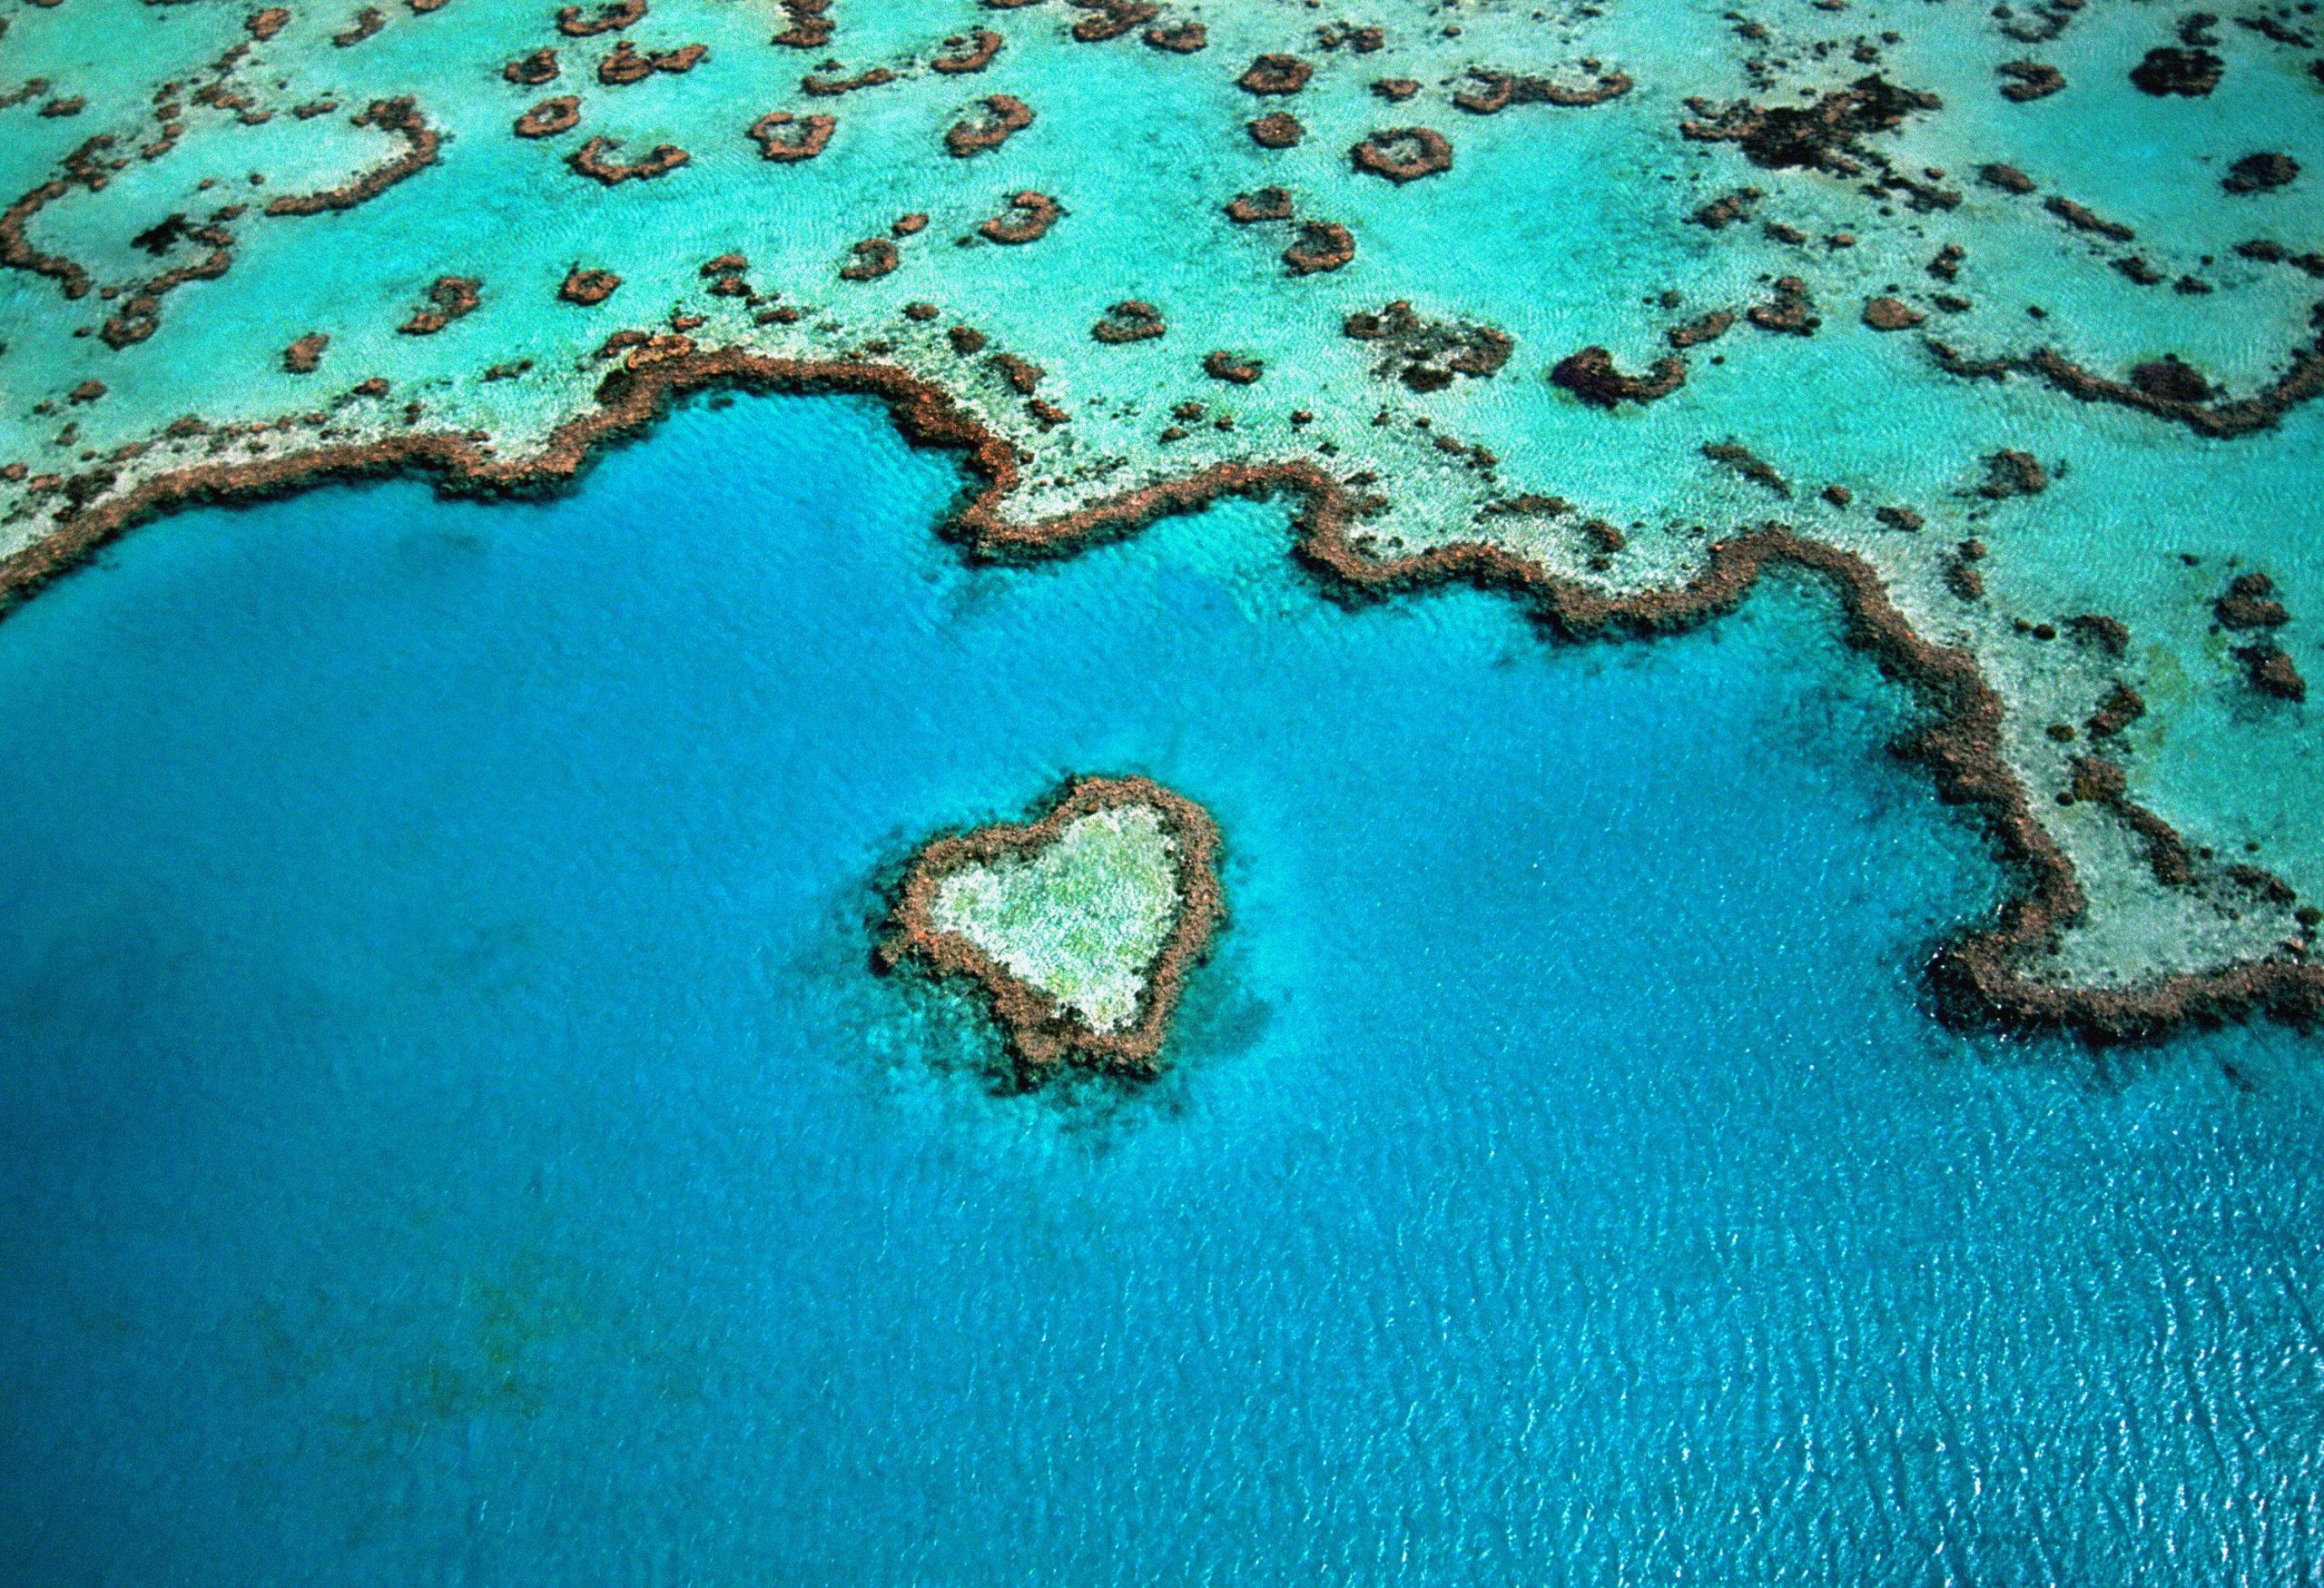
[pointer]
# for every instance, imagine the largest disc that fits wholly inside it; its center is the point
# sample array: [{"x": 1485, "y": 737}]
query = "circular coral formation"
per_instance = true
[
  {"x": 1321, "y": 246},
  {"x": 1133, "y": 319},
  {"x": 531, "y": 71},
  {"x": 590, "y": 161},
  {"x": 1231, "y": 368},
  {"x": 1266, "y": 203},
  {"x": 1005, "y": 117},
  {"x": 972, "y": 52},
  {"x": 787, "y": 139},
  {"x": 1028, "y": 219},
  {"x": 550, "y": 117},
  {"x": 1403, "y": 154}
]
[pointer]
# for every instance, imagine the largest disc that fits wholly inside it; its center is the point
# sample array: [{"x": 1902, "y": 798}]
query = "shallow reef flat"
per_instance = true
[
  {"x": 2002, "y": 321},
  {"x": 1079, "y": 926}
]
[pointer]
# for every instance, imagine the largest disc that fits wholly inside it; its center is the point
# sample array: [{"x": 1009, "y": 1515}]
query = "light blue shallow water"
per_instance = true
[{"x": 450, "y": 1133}]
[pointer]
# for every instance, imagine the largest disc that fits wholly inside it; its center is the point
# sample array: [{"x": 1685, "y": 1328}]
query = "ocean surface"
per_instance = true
[{"x": 450, "y": 1131}]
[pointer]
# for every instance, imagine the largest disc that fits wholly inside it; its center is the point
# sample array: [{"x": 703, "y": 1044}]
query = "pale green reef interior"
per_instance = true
[
  {"x": 1559, "y": 226},
  {"x": 1082, "y": 918}
]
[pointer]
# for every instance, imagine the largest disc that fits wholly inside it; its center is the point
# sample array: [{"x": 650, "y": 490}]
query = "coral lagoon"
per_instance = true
[{"x": 2007, "y": 322}]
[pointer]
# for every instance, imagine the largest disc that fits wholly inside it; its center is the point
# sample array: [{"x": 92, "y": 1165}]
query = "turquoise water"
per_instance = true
[{"x": 452, "y": 1133}]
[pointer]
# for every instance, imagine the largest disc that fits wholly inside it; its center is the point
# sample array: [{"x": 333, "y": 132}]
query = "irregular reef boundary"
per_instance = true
[
  {"x": 1977, "y": 976},
  {"x": 1041, "y": 1034}
]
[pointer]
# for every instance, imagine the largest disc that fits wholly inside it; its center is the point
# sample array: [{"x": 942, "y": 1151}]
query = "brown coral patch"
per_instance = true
[
  {"x": 305, "y": 356},
  {"x": 450, "y": 298},
  {"x": 1718, "y": 214},
  {"x": 2011, "y": 473},
  {"x": 421, "y": 144},
  {"x": 2190, "y": 73},
  {"x": 1110, "y": 19},
  {"x": 587, "y": 288},
  {"x": 788, "y": 139},
  {"x": 1746, "y": 465},
  {"x": 2250, "y": 603},
  {"x": 2029, "y": 81},
  {"x": 550, "y": 117},
  {"x": 531, "y": 71},
  {"x": 1591, "y": 375},
  {"x": 2167, "y": 388},
  {"x": 1266, "y": 203},
  {"x": 833, "y": 87},
  {"x": 1274, "y": 74},
  {"x": 1028, "y": 219},
  {"x": 1707, "y": 328},
  {"x": 2253, "y": 174},
  {"x": 2271, "y": 671},
  {"x": 1319, "y": 246},
  {"x": 1180, "y": 38},
  {"x": 1133, "y": 319},
  {"x": 1279, "y": 131},
  {"x": 1426, "y": 354},
  {"x": 625, "y": 66},
  {"x": 973, "y": 52},
  {"x": 1497, "y": 91},
  {"x": 367, "y": 22},
  {"x": 807, "y": 27},
  {"x": 83, "y": 168},
  {"x": 1826, "y": 136},
  {"x": 591, "y": 160},
  {"x": 1005, "y": 117},
  {"x": 1232, "y": 368},
  {"x": 575, "y": 23},
  {"x": 2122, "y": 706},
  {"x": 2083, "y": 219},
  {"x": 1891, "y": 314},
  {"x": 1403, "y": 154},
  {"x": 869, "y": 260},
  {"x": 1024, "y": 376},
  {"x": 139, "y": 314},
  {"x": 1789, "y": 310}
]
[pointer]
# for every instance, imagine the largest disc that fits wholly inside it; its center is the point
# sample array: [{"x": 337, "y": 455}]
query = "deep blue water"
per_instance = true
[{"x": 449, "y": 1131}]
